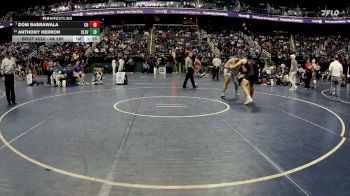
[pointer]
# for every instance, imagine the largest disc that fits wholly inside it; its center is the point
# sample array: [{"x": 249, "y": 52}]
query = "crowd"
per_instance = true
[
  {"x": 169, "y": 38},
  {"x": 281, "y": 44},
  {"x": 276, "y": 43},
  {"x": 230, "y": 42},
  {"x": 171, "y": 45},
  {"x": 175, "y": 41},
  {"x": 121, "y": 41},
  {"x": 262, "y": 8}
]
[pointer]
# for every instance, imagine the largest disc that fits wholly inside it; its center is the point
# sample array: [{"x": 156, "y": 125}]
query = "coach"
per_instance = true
[{"x": 7, "y": 70}]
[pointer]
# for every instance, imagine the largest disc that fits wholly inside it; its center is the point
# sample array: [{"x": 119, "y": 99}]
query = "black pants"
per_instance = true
[
  {"x": 308, "y": 76},
  {"x": 216, "y": 73},
  {"x": 10, "y": 88},
  {"x": 189, "y": 75},
  {"x": 49, "y": 73}
]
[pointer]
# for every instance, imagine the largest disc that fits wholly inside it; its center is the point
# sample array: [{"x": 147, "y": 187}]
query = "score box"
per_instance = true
[
  {"x": 94, "y": 31},
  {"x": 95, "y": 24}
]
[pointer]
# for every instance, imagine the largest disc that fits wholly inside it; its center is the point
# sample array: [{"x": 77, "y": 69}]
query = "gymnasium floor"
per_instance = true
[{"x": 154, "y": 138}]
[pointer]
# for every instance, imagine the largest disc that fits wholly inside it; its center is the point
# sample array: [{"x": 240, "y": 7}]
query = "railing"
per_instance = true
[
  {"x": 255, "y": 45},
  {"x": 89, "y": 51},
  {"x": 291, "y": 42},
  {"x": 31, "y": 55},
  {"x": 214, "y": 49},
  {"x": 250, "y": 41},
  {"x": 342, "y": 52},
  {"x": 151, "y": 42},
  {"x": 266, "y": 54}
]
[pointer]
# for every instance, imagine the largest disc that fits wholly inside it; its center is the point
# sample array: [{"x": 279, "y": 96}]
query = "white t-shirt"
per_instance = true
[
  {"x": 217, "y": 62},
  {"x": 335, "y": 69},
  {"x": 114, "y": 63},
  {"x": 8, "y": 66},
  {"x": 121, "y": 65},
  {"x": 29, "y": 79}
]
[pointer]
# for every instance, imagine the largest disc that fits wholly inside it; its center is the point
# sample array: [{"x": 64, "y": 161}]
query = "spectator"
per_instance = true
[
  {"x": 216, "y": 67},
  {"x": 31, "y": 79},
  {"x": 8, "y": 71},
  {"x": 78, "y": 74},
  {"x": 336, "y": 72},
  {"x": 308, "y": 74}
]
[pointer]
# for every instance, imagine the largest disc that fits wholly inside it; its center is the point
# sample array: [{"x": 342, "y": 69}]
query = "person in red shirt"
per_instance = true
[
  {"x": 48, "y": 71},
  {"x": 308, "y": 74}
]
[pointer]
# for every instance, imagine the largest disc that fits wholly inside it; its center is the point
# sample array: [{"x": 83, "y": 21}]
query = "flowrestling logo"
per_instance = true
[
  {"x": 45, "y": 18},
  {"x": 333, "y": 13}
]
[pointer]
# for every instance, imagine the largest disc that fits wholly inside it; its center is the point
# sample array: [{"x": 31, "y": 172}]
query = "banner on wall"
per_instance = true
[
  {"x": 231, "y": 14},
  {"x": 187, "y": 11}
]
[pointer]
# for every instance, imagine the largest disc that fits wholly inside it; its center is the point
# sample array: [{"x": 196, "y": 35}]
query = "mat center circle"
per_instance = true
[{"x": 171, "y": 106}]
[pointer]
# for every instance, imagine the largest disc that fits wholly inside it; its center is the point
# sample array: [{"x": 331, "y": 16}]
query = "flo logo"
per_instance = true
[{"x": 333, "y": 13}]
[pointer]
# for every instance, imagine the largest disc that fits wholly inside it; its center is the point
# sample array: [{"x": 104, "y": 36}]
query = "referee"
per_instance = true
[
  {"x": 7, "y": 70},
  {"x": 189, "y": 70}
]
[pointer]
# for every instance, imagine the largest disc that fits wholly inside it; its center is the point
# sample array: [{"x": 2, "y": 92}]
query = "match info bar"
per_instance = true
[
  {"x": 56, "y": 24},
  {"x": 63, "y": 31},
  {"x": 56, "y": 31},
  {"x": 59, "y": 38}
]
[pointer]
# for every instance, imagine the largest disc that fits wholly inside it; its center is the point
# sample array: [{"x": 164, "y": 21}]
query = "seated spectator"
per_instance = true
[
  {"x": 31, "y": 79},
  {"x": 146, "y": 68},
  {"x": 57, "y": 75},
  {"x": 78, "y": 74},
  {"x": 279, "y": 78},
  {"x": 70, "y": 79},
  {"x": 98, "y": 76}
]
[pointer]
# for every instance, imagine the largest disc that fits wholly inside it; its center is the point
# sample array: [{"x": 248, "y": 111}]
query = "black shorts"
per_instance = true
[{"x": 251, "y": 78}]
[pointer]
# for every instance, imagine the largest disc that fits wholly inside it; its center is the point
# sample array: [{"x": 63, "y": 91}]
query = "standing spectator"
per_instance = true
[
  {"x": 216, "y": 67},
  {"x": 121, "y": 69},
  {"x": 314, "y": 69},
  {"x": 293, "y": 72},
  {"x": 336, "y": 72},
  {"x": 146, "y": 68},
  {"x": 114, "y": 65},
  {"x": 189, "y": 70},
  {"x": 8, "y": 70},
  {"x": 121, "y": 63},
  {"x": 345, "y": 69},
  {"x": 173, "y": 55},
  {"x": 308, "y": 74},
  {"x": 130, "y": 65},
  {"x": 49, "y": 70}
]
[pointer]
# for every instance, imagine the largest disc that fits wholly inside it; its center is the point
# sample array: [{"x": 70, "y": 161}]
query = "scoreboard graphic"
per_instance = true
[{"x": 55, "y": 29}]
